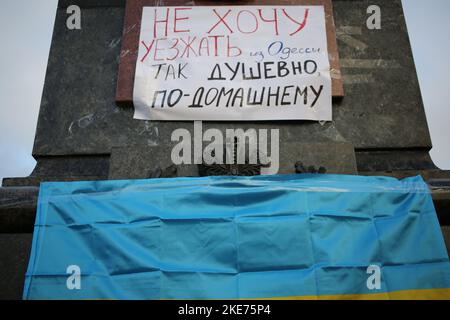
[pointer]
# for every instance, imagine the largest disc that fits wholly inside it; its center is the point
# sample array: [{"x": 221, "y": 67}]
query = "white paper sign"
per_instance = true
[{"x": 233, "y": 63}]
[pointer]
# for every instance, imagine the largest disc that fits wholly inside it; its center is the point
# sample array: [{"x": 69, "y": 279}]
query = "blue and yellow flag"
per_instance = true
[{"x": 286, "y": 236}]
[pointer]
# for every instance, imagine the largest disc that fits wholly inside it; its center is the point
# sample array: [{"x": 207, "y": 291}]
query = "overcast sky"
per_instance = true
[{"x": 26, "y": 29}]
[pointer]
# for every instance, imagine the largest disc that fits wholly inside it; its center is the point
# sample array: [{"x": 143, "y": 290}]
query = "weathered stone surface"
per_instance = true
[
  {"x": 138, "y": 162},
  {"x": 14, "y": 254},
  {"x": 334, "y": 157},
  {"x": 68, "y": 168},
  {"x": 79, "y": 115},
  {"x": 394, "y": 160},
  {"x": 80, "y": 124},
  {"x": 83, "y": 135},
  {"x": 18, "y": 209}
]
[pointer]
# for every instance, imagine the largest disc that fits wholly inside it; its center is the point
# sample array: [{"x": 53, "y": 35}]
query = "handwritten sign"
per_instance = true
[{"x": 233, "y": 63}]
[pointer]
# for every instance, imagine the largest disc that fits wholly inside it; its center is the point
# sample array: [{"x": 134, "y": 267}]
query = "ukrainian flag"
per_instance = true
[{"x": 264, "y": 237}]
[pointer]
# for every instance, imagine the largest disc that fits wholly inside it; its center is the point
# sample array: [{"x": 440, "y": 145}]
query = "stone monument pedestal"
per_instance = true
[{"x": 379, "y": 125}]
